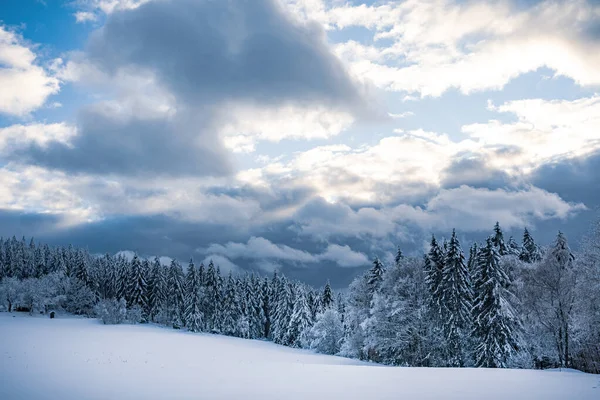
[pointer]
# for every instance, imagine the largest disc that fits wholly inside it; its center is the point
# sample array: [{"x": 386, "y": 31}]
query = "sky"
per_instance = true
[{"x": 305, "y": 136}]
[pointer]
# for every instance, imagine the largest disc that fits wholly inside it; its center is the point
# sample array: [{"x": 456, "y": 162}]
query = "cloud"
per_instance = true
[
  {"x": 19, "y": 136},
  {"x": 437, "y": 45},
  {"x": 259, "y": 248},
  {"x": 25, "y": 84},
  {"x": 545, "y": 130},
  {"x": 470, "y": 209},
  {"x": 243, "y": 126},
  {"x": 225, "y": 265},
  {"x": 171, "y": 69},
  {"x": 84, "y": 16}
]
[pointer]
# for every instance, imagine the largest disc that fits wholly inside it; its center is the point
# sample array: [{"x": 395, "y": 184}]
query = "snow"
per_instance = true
[{"x": 73, "y": 358}]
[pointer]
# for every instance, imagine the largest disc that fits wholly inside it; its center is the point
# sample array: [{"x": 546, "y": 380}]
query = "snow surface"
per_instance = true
[{"x": 71, "y": 358}]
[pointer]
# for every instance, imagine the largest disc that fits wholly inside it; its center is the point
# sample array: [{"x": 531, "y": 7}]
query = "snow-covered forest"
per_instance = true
[{"x": 499, "y": 304}]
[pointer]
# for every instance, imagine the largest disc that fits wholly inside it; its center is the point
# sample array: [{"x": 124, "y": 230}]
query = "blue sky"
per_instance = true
[{"x": 302, "y": 135}]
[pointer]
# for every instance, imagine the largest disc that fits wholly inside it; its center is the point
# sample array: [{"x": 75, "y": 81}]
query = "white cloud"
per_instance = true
[
  {"x": 25, "y": 84},
  {"x": 34, "y": 189},
  {"x": 443, "y": 44},
  {"x": 258, "y": 248},
  {"x": 545, "y": 131},
  {"x": 244, "y": 126},
  {"x": 16, "y": 136},
  {"x": 84, "y": 16},
  {"x": 344, "y": 256},
  {"x": 225, "y": 265},
  {"x": 467, "y": 208}
]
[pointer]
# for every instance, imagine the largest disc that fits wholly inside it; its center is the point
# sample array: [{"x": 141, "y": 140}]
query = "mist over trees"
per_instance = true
[{"x": 498, "y": 304}]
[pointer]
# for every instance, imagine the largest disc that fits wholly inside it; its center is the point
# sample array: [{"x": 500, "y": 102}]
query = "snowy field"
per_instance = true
[{"x": 71, "y": 358}]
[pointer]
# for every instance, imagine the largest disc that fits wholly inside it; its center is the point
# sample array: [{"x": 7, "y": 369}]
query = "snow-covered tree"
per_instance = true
[
  {"x": 137, "y": 286},
  {"x": 157, "y": 292},
  {"x": 326, "y": 335},
  {"x": 193, "y": 300},
  {"x": 327, "y": 298},
  {"x": 552, "y": 296},
  {"x": 375, "y": 275},
  {"x": 498, "y": 240},
  {"x": 530, "y": 252},
  {"x": 300, "y": 321},
  {"x": 176, "y": 297},
  {"x": 456, "y": 296},
  {"x": 494, "y": 319}
]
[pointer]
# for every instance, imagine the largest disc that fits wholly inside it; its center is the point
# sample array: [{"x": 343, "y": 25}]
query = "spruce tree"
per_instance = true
[
  {"x": 176, "y": 297},
  {"x": 494, "y": 318},
  {"x": 375, "y": 275},
  {"x": 327, "y": 298},
  {"x": 193, "y": 315},
  {"x": 399, "y": 256},
  {"x": 529, "y": 251},
  {"x": 231, "y": 307},
  {"x": 434, "y": 267},
  {"x": 138, "y": 294},
  {"x": 158, "y": 290},
  {"x": 300, "y": 321},
  {"x": 455, "y": 294},
  {"x": 498, "y": 240}
]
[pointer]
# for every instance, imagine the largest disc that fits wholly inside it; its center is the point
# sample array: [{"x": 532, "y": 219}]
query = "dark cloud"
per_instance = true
[
  {"x": 474, "y": 172},
  {"x": 206, "y": 54},
  {"x": 272, "y": 199},
  {"x": 574, "y": 180},
  {"x": 20, "y": 223},
  {"x": 205, "y": 50},
  {"x": 133, "y": 146}
]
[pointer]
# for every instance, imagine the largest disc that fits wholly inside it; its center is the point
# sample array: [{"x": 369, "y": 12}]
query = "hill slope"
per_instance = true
[{"x": 71, "y": 358}]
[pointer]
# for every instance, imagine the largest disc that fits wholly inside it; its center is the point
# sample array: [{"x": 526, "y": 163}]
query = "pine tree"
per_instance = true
[
  {"x": 498, "y": 240},
  {"x": 399, "y": 256},
  {"x": 193, "y": 315},
  {"x": 375, "y": 275},
  {"x": 434, "y": 267},
  {"x": 266, "y": 305},
  {"x": 529, "y": 252},
  {"x": 455, "y": 294},
  {"x": 473, "y": 259},
  {"x": 138, "y": 293},
  {"x": 327, "y": 298},
  {"x": 231, "y": 307},
  {"x": 300, "y": 321},
  {"x": 283, "y": 311},
  {"x": 257, "y": 314},
  {"x": 176, "y": 296},
  {"x": 157, "y": 291},
  {"x": 494, "y": 318}
]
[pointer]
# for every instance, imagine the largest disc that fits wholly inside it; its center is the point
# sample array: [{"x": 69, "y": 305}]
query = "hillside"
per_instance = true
[{"x": 71, "y": 358}]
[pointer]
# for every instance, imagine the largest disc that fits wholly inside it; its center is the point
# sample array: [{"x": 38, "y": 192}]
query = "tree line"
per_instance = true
[{"x": 502, "y": 304}]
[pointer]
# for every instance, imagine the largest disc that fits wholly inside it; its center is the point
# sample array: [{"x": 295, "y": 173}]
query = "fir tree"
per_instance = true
[
  {"x": 434, "y": 268},
  {"x": 498, "y": 240},
  {"x": 399, "y": 256},
  {"x": 529, "y": 251},
  {"x": 158, "y": 290},
  {"x": 375, "y": 275},
  {"x": 193, "y": 315},
  {"x": 138, "y": 294},
  {"x": 176, "y": 297},
  {"x": 494, "y": 319},
  {"x": 300, "y": 321},
  {"x": 327, "y": 298},
  {"x": 455, "y": 294},
  {"x": 231, "y": 307}
]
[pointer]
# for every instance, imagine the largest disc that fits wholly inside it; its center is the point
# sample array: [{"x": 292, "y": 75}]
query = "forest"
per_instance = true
[{"x": 500, "y": 304}]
